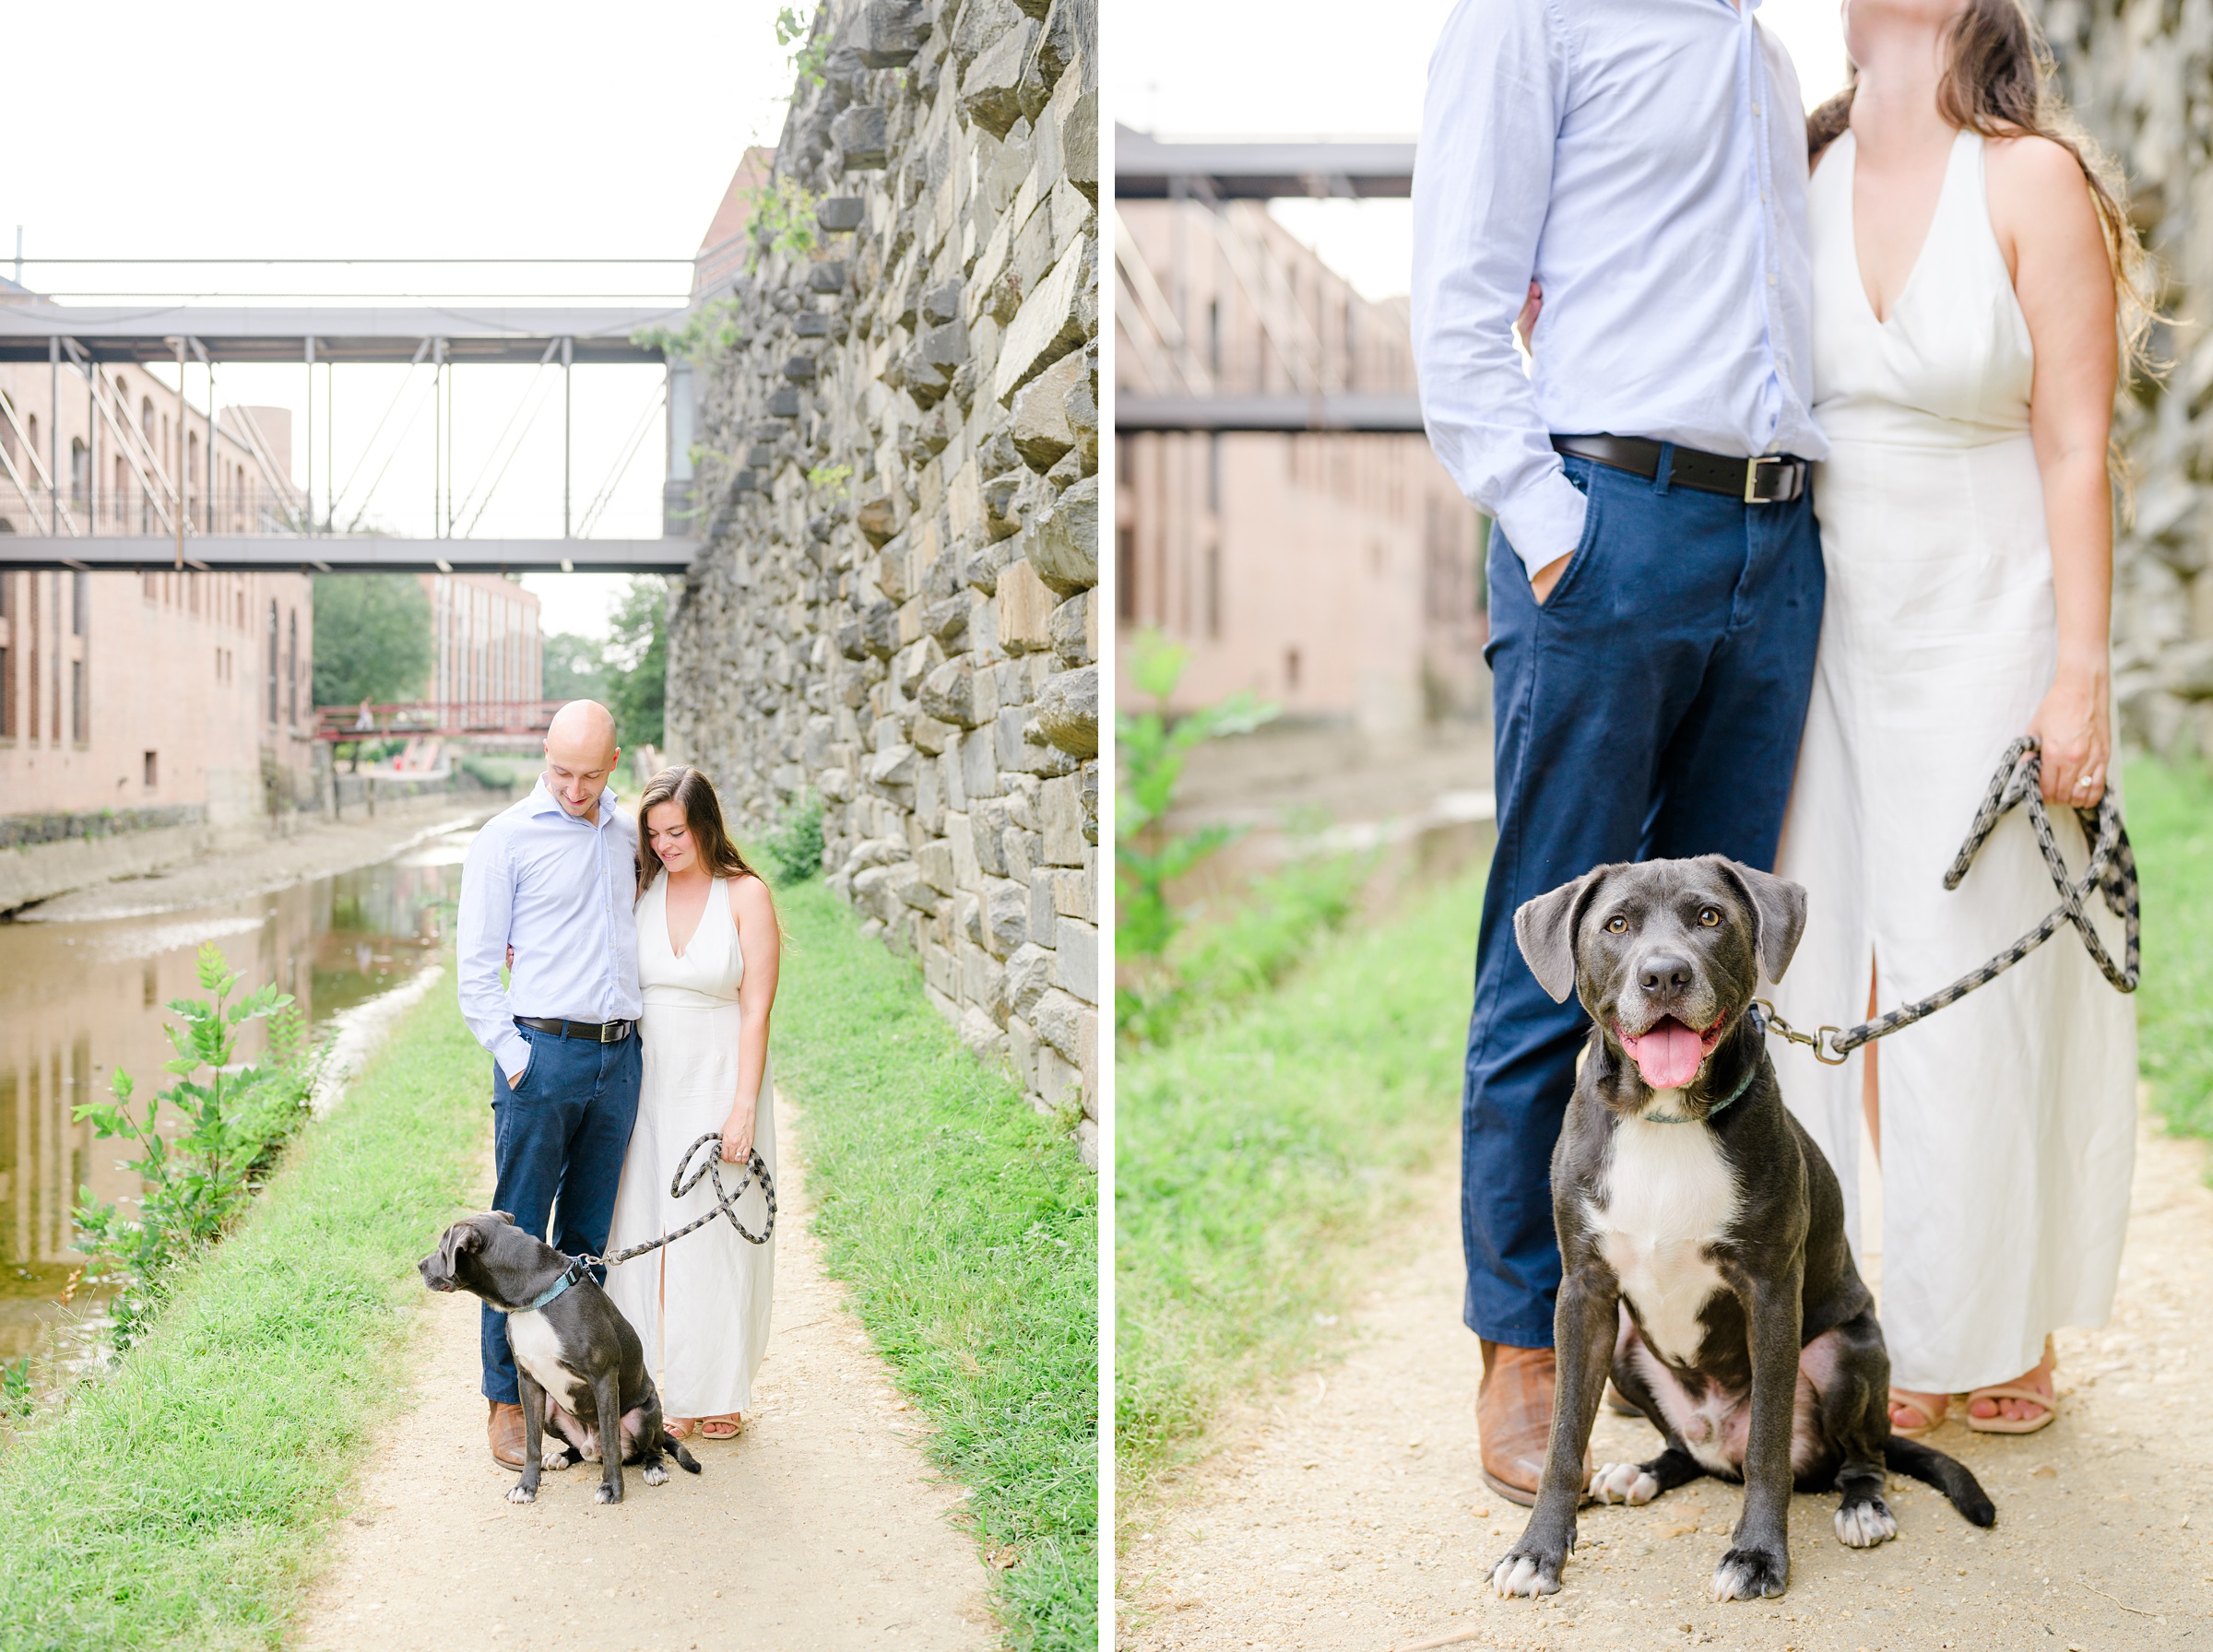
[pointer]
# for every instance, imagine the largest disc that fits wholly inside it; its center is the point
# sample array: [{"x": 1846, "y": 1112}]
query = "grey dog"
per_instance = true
[
  {"x": 577, "y": 1361},
  {"x": 1702, "y": 1233}
]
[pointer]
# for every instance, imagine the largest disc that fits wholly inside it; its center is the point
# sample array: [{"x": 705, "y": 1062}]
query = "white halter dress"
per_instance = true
[
  {"x": 2008, "y": 1118},
  {"x": 715, "y": 1288}
]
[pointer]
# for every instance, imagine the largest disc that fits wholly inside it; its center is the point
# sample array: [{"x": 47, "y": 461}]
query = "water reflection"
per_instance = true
[{"x": 75, "y": 999}]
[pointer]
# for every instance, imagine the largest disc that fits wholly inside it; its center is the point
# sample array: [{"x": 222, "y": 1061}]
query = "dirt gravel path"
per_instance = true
[
  {"x": 1349, "y": 1513},
  {"x": 821, "y": 1526}
]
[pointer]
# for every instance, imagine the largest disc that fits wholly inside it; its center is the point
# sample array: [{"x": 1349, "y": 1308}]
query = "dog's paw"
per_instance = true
[
  {"x": 1751, "y": 1575},
  {"x": 657, "y": 1475},
  {"x": 603, "y": 1493},
  {"x": 555, "y": 1460},
  {"x": 591, "y": 1452},
  {"x": 1526, "y": 1572},
  {"x": 1622, "y": 1483},
  {"x": 520, "y": 1492},
  {"x": 1864, "y": 1525}
]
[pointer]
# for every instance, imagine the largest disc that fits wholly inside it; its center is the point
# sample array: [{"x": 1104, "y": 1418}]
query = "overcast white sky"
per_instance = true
[
  {"x": 1223, "y": 68},
  {"x": 401, "y": 129}
]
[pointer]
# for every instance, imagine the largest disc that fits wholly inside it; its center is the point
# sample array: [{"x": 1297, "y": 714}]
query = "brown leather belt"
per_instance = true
[
  {"x": 1771, "y": 479},
  {"x": 590, "y": 1031}
]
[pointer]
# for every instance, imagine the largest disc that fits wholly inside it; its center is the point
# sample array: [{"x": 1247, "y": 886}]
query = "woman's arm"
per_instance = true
[
  {"x": 762, "y": 943},
  {"x": 2040, "y": 209}
]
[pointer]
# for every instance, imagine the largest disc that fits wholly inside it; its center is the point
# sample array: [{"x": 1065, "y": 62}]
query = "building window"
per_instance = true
[
  {"x": 81, "y": 602},
  {"x": 291, "y": 672},
  {"x": 81, "y": 713},
  {"x": 153, "y": 771},
  {"x": 1291, "y": 671},
  {"x": 272, "y": 661},
  {"x": 1125, "y": 573},
  {"x": 80, "y": 471},
  {"x": 1213, "y": 472},
  {"x": 1213, "y": 590}
]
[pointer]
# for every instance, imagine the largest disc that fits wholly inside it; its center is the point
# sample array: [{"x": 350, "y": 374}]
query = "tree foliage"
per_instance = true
[
  {"x": 575, "y": 667},
  {"x": 372, "y": 638},
  {"x": 637, "y": 662}
]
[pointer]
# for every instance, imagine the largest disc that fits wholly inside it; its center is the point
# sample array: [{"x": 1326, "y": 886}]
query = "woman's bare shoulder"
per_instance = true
[
  {"x": 749, "y": 897},
  {"x": 2040, "y": 174}
]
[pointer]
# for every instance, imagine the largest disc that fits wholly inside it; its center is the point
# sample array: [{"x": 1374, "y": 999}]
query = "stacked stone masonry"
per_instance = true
[
  {"x": 2140, "y": 73},
  {"x": 898, "y": 479}
]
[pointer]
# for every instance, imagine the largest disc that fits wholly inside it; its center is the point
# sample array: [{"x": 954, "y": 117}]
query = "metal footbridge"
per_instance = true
[{"x": 275, "y": 520}]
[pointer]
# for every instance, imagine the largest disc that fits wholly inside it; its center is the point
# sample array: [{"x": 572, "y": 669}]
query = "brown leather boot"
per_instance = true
[
  {"x": 1513, "y": 1419},
  {"x": 506, "y": 1427}
]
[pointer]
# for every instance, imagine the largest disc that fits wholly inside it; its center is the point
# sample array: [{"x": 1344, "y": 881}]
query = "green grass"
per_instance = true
[
  {"x": 967, "y": 1228},
  {"x": 1255, "y": 1154},
  {"x": 2170, "y": 822},
  {"x": 179, "y": 1503}
]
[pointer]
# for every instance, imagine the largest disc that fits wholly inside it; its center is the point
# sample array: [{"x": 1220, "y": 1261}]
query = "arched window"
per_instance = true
[
  {"x": 146, "y": 419},
  {"x": 80, "y": 470}
]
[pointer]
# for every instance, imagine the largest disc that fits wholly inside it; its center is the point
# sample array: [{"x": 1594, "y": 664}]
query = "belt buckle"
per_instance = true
[
  {"x": 1753, "y": 496},
  {"x": 606, "y": 1032}
]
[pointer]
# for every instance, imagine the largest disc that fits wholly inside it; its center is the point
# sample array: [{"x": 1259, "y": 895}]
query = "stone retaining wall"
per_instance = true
[
  {"x": 897, "y": 478},
  {"x": 2140, "y": 75}
]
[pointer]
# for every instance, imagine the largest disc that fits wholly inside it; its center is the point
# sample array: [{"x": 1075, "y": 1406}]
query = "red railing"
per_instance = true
[{"x": 434, "y": 720}]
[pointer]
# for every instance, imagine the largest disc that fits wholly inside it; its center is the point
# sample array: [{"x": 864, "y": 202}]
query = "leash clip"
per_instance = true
[{"x": 1821, "y": 1040}]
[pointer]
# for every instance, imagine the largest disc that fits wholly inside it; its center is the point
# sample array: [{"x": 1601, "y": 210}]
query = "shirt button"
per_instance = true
[{"x": 1771, "y": 277}]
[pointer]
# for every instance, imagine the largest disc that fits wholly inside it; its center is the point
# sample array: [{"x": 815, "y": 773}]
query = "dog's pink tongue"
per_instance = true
[{"x": 1668, "y": 1056}]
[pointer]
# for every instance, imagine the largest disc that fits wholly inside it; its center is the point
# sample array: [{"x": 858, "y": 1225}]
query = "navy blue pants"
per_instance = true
[
  {"x": 557, "y": 1146},
  {"x": 1650, "y": 709}
]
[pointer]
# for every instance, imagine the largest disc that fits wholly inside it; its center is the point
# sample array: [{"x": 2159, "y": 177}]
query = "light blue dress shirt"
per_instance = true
[
  {"x": 1644, "y": 162},
  {"x": 560, "y": 891}
]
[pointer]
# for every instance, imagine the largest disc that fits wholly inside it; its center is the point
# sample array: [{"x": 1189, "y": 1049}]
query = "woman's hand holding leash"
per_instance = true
[
  {"x": 2074, "y": 727},
  {"x": 738, "y": 1134}
]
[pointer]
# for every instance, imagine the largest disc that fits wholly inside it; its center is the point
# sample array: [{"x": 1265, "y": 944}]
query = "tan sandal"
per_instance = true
[
  {"x": 1899, "y": 1401},
  {"x": 2012, "y": 1425},
  {"x": 680, "y": 1428},
  {"x": 2002, "y": 1424},
  {"x": 727, "y": 1427}
]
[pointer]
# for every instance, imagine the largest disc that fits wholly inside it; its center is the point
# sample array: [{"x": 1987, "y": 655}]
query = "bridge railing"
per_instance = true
[{"x": 435, "y": 719}]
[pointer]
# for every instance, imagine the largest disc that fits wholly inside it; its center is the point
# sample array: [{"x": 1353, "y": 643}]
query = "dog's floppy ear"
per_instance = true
[
  {"x": 1545, "y": 928},
  {"x": 501, "y": 1216},
  {"x": 1778, "y": 908}
]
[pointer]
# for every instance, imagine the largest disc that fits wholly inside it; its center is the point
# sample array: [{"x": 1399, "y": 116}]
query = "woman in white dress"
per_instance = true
[
  {"x": 1969, "y": 259},
  {"x": 708, "y": 944}
]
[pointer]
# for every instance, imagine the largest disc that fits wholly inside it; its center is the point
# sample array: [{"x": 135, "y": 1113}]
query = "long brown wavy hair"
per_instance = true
[
  {"x": 1999, "y": 81},
  {"x": 702, "y": 814}
]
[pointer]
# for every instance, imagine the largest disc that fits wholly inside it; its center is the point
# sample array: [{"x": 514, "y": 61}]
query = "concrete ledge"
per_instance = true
[{"x": 38, "y": 871}]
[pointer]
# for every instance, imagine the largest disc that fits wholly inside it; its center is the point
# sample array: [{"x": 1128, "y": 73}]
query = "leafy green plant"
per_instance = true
[
  {"x": 637, "y": 662},
  {"x": 1148, "y": 857},
  {"x": 709, "y": 331},
  {"x": 15, "y": 1389},
  {"x": 813, "y": 50},
  {"x": 231, "y": 1124},
  {"x": 793, "y": 848},
  {"x": 783, "y": 219},
  {"x": 833, "y": 482}
]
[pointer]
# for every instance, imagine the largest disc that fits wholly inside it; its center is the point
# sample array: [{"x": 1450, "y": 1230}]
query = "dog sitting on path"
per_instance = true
[
  {"x": 1702, "y": 1233},
  {"x": 577, "y": 1361}
]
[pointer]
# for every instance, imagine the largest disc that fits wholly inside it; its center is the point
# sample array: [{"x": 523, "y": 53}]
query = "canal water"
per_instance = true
[{"x": 78, "y": 999}]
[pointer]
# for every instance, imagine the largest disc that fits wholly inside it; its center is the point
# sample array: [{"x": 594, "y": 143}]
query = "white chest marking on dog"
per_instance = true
[
  {"x": 1665, "y": 1195},
  {"x": 537, "y": 1351}
]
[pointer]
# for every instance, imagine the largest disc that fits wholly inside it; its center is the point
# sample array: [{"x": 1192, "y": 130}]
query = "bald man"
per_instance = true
[{"x": 552, "y": 878}]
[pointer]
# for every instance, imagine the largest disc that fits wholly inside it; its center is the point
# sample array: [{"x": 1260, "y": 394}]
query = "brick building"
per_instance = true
[
  {"x": 491, "y": 649},
  {"x": 1340, "y": 575}
]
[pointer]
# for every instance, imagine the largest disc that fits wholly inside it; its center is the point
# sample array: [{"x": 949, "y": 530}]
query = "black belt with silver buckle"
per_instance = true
[
  {"x": 1771, "y": 479},
  {"x": 590, "y": 1031}
]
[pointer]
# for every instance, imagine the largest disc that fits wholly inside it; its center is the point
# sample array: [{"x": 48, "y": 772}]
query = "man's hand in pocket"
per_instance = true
[{"x": 1541, "y": 582}]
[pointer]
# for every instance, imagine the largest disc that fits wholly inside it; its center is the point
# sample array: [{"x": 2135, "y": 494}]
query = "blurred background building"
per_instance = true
[{"x": 1340, "y": 575}]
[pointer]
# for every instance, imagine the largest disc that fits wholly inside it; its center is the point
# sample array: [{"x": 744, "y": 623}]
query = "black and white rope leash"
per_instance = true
[
  {"x": 2112, "y": 873},
  {"x": 726, "y": 1205}
]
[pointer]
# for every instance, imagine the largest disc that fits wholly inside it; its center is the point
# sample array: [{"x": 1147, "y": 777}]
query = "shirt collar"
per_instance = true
[{"x": 544, "y": 802}]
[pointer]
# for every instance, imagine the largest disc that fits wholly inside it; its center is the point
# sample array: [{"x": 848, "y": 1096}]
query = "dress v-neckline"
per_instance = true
[
  {"x": 1928, "y": 234},
  {"x": 668, "y": 927}
]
